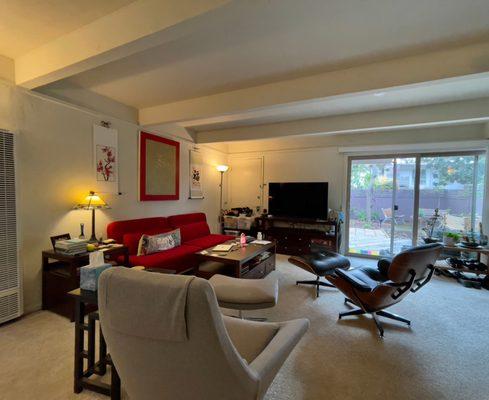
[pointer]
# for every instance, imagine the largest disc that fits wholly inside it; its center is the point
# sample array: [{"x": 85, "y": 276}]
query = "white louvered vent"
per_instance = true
[
  {"x": 10, "y": 306},
  {"x": 10, "y": 295}
]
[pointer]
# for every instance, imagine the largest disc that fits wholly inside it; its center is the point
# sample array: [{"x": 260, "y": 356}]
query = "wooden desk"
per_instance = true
[
  {"x": 82, "y": 379},
  {"x": 61, "y": 273}
]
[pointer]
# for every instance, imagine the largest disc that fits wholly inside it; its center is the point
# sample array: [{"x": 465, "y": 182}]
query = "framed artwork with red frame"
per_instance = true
[{"x": 159, "y": 168}]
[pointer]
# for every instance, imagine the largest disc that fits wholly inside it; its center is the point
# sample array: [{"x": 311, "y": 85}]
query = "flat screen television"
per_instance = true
[{"x": 298, "y": 199}]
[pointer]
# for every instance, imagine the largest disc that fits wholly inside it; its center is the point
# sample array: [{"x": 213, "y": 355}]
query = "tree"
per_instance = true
[
  {"x": 452, "y": 169},
  {"x": 369, "y": 177}
]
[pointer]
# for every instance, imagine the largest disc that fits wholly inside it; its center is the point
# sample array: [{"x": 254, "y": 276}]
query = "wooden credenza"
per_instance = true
[{"x": 296, "y": 236}]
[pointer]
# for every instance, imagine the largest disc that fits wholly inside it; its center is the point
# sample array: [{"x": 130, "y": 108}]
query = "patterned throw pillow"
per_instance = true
[{"x": 155, "y": 243}]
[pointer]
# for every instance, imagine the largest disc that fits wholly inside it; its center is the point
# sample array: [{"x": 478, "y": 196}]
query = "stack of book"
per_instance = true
[{"x": 71, "y": 247}]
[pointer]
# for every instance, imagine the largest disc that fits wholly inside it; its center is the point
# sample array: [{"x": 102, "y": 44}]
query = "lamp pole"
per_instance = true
[
  {"x": 221, "y": 169},
  {"x": 91, "y": 203},
  {"x": 93, "y": 238},
  {"x": 220, "y": 200}
]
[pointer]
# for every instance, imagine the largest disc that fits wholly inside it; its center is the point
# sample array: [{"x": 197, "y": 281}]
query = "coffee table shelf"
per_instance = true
[{"x": 242, "y": 259}]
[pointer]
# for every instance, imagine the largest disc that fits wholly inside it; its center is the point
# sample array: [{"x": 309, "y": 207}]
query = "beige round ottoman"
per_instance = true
[{"x": 246, "y": 294}]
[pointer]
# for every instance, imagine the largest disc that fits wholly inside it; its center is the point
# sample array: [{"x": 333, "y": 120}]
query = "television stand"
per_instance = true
[{"x": 295, "y": 236}]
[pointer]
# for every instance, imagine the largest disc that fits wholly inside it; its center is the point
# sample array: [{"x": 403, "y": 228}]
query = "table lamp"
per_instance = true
[{"x": 92, "y": 202}]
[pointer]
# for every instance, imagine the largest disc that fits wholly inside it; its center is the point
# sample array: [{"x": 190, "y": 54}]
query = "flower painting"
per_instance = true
[
  {"x": 196, "y": 175},
  {"x": 106, "y": 161}
]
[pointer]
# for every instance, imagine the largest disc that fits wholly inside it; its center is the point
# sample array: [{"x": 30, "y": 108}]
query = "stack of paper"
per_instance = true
[
  {"x": 223, "y": 247},
  {"x": 261, "y": 242},
  {"x": 71, "y": 246}
]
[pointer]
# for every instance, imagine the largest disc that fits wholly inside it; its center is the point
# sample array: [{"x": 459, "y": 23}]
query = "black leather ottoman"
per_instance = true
[{"x": 320, "y": 263}]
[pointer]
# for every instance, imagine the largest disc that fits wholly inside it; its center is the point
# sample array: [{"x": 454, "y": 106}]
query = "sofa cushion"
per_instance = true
[
  {"x": 150, "y": 244},
  {"x": 209, "y": 241},
  {"x": 193, "y": 231},
  {"x": 117, "y": 229},
  {"x": 178, "y": 258},
  {"x": 184, "y": 219},
  {"x": 131, "y": 240}
]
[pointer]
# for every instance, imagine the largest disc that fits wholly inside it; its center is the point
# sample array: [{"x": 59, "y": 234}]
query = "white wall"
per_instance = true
[
  {"x": 54, "y": 170},
  {"x": 313, "y": 165},
  {"x": 316, "y": 158}
]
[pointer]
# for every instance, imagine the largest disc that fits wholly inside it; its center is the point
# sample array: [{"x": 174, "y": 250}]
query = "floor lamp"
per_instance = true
[
  {"x": 221, "y": 169},
  {"x": 92, "y": 202}
]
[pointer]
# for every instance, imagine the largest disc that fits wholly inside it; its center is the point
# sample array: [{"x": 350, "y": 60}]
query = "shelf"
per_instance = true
[
  {"x": 295, "y": 236},
  {"x": 299, "y": 232},
  {"x": 443, "y": 265},
  {"x": 299, "y": 220}
]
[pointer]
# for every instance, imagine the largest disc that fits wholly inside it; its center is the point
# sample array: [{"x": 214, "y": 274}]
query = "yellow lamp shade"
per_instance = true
[
  {"x": 222, "y": 168},
  {"x": 91, "y": 202}
]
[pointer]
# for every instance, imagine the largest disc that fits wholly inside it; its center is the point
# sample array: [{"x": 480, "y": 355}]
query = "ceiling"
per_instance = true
[
  {"x": 267, "y": 41},
  {"x": 234, "y": 69},
  {"x": 27, "y": 24}
]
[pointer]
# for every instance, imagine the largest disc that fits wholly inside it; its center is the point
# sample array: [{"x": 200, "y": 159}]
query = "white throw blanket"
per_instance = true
[{"x": 160, "y": 313}]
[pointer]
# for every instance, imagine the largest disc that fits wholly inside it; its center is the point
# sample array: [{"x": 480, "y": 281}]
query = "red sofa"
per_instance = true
[{"x": 194, "y": 231}]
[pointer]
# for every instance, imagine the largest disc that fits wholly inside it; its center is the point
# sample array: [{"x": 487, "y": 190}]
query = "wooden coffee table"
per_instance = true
[{"x": 253, "y": 261}]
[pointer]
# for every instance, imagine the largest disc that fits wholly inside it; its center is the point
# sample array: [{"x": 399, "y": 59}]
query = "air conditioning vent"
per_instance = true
[
  {"x": 10, "y": 306},
  {"x": 10, "y": 285}
]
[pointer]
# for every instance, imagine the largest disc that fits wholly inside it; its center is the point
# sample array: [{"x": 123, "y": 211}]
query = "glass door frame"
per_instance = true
[{"x": 418, "y": 156}]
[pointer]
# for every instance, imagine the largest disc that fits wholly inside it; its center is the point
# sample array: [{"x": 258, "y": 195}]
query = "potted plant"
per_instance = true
[
  {"x": 429, "y": 228},
  {"x": 451, "y": 239}
]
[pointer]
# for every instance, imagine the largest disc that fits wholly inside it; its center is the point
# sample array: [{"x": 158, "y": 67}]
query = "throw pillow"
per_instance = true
[
  {"x": 163, "y": 241},
  {"x": 132, "y": 239}
]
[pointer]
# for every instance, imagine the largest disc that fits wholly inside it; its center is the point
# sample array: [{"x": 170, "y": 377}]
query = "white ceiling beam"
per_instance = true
[
  {"x": 466, "y": 133},
  {"x": 432, "y": 66},
  {"x": 454, "y": 113},
  {"x": 131, "y": 29}
]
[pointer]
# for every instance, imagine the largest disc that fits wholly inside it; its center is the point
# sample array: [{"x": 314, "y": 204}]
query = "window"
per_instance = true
[
  {"x": 455, "y": 187},
  {"x": 388, "y": 210}
]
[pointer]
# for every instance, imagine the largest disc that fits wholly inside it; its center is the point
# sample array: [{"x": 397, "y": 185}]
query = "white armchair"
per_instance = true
[{"x": 202, "y": 355}]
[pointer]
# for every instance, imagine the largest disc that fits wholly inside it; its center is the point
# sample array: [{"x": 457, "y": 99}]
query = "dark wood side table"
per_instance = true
[
  {"x": 61, "y": 273},
  {"x": 84, "y": 298}
]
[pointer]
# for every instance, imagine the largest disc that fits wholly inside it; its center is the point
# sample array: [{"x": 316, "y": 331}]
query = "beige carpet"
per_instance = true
[{"x": 443, "y": 356}]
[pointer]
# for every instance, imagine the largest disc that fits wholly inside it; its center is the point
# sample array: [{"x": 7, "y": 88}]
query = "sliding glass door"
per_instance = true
[
  {"x": 454, "y": 185},
  {"x": 381, "y": 205},
  {"x": 390, "y": 199},
  {"x": 403, "y": 210}
]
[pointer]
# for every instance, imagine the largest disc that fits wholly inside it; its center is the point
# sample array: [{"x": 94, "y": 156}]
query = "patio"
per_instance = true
[
  {"x": 385, "y": 191},
  {"x": 375, "y": 241}
]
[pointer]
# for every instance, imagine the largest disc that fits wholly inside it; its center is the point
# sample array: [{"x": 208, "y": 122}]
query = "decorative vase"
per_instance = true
[
  {"x": 82, "y": 231},
  {"x": 449, "y": 241}
]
